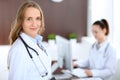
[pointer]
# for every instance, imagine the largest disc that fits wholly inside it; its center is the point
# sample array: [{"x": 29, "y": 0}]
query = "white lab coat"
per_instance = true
[
  {"x": 21, "y": 66},
  {"x": 101, "y": 61}
]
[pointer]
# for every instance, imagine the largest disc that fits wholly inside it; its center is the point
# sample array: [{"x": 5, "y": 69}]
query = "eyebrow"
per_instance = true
[{"x": 32, "y": 17}]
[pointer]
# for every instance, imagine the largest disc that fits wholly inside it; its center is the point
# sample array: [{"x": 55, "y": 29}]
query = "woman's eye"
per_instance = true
[
  {"x": 28, "y": 19},
  {"x": 38, "y": 18}
]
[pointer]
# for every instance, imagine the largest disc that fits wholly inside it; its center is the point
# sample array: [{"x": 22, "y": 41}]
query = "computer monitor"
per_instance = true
[{"x": 64, "y": 53}]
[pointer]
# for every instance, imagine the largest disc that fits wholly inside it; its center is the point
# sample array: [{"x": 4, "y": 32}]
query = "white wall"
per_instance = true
[
  {"x": 116, "y": 31},
  {"x": 3, "y": 62},
  {"x": 99, "y": 9}
]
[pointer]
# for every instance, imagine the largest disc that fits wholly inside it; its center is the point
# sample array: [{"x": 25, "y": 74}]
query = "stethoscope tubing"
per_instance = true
[{"x": 27, "y": 46}]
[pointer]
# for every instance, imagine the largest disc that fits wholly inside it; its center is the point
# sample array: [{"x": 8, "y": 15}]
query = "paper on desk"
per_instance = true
[
  {"x": 79, "y": 73},
  {"x": 91, "y": 79}
]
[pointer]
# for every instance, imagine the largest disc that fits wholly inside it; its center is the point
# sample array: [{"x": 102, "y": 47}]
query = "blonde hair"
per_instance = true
[{"x": 17, "y": 25}]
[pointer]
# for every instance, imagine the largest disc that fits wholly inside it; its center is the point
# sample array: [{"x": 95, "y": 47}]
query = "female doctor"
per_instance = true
[
  {"x": 102, "y": 58},
  {"x": 27, "y": 58}
]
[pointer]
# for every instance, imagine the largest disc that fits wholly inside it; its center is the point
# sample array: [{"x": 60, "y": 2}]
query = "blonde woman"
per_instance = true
[{"x": 27, "y": 58}]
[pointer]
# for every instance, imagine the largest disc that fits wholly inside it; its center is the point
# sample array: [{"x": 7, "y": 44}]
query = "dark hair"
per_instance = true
[{"x": 103, "y": 25}]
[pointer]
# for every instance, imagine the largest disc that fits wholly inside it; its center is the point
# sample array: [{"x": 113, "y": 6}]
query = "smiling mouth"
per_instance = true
[{"x": 33, "y": 28}]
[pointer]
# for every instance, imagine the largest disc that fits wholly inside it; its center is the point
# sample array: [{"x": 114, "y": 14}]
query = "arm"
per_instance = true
[
  {"x": 16, "y": 68},
  {"x": 18, "y": 64}
]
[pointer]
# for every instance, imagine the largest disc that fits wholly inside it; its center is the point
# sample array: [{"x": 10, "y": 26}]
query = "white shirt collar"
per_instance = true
[
  {"x": 35, "y": 40},
  {"x": 32, "y": 42}
]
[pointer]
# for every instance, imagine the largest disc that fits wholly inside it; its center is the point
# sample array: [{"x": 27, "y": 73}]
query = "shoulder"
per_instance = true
[
  {"x": 93, "y": 45},
  {"x": 17, "y": 47},
  {"x": 112, "y": 47},
  {"x": 15, "y": 51},
  {"x": 111, "y": 50}
]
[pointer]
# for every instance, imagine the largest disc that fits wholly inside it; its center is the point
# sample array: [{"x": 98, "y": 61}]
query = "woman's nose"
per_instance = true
[{"x": 34, "y": 23}]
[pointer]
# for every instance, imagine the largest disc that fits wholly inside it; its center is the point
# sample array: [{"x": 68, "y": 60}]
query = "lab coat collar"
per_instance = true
[
  {"x": 32, "y": 42},
  {"x": 103, "y": 45}
]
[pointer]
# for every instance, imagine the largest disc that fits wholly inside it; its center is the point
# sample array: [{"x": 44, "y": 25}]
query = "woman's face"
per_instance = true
[
  {"x": 98, "y": 33},
  {"x": 32, "y": 21}
]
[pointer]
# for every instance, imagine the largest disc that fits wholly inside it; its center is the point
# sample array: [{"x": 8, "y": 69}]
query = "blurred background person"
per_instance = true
[{"x": 102, "y": 58}]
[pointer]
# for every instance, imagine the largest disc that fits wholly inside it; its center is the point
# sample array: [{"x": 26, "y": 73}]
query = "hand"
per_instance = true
[
  {"x": 88, "y": 72},
  {"x": 75, "y": 65}
]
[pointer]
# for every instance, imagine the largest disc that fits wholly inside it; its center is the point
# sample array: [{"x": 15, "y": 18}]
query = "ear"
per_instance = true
[{"x": 104, "y": 31}]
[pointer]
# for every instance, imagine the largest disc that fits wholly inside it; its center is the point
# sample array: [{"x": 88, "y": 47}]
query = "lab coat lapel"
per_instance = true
[
  {"x": 103, "y": 47},
  {"x": 41, "y": 61},
  {"x": 43, "y": 56},
  {"x": 29, "y": 41}
]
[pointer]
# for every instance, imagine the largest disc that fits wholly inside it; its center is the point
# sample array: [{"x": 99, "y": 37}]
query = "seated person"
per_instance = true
[{"x": 102, "y": 58}]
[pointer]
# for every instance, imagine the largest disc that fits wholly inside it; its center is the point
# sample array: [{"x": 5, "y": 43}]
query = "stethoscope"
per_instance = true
[{"x": 27, "y": 46}]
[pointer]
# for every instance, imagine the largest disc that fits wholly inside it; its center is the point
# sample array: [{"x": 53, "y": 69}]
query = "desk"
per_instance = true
[
  {"x": 74, "y": 78},
  {"x": 87, "y": 79},
  {"x": 67, "y": 76}
]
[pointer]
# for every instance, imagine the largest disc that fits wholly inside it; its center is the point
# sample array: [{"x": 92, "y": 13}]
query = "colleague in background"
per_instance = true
[
  {"x": 102, "y": 58},
  {"x": 27, "y": 58}
]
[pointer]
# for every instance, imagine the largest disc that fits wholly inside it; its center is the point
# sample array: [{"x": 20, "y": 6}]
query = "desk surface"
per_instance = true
[
  {"x": 81, "y": 79},
  {"x": 85, "y": 79},
  {"x": 60, "y": 77}
]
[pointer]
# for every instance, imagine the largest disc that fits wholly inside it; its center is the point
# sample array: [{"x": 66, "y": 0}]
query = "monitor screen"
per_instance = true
[{"x": 64, "y": 52}]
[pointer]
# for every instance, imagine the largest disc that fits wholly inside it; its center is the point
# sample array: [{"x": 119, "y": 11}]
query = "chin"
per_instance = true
[
  {"x": 33, "y": 35},
  {"x": 97, "y": 39}
]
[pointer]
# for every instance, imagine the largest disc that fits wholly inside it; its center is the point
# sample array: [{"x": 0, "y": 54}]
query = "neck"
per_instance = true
[{"x": 102, "y": 40}]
